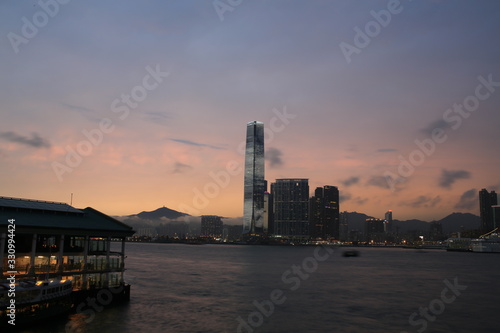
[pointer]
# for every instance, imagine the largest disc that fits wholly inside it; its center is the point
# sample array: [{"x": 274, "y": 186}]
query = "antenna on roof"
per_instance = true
[{"x": 71, "y": 202}]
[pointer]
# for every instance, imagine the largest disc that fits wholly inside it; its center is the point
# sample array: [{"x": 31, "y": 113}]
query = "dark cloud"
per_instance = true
[
  {"x": 381, "y": 181},
  {"x": 191, "y": 143},
  {"x": 80, "y": 109},
  {"x": 273, "y": 155},
  {"x": 157, "y": 117},
  {"x": 449, "y": 177},
  {"x": 360, "y": 201},
  {"x": 36, "y": 141},
  {"x": 344, "y": 196},
  {"x": 468, "y": 200},
  {"x": 386, "y": 150},
  {"x": 90, "y": 115},
  {"x": 181, "y": 167},
  {"x": 423, "y": 201},
  {"x": 440, "y": 123},
  {"x": 350, "y": 181}
]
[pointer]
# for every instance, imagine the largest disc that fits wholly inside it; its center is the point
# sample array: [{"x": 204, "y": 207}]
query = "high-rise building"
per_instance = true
[
  {"x": 268, "y": 213},
  {"x": 324, "y": 213},
  {"x": 211, "y": 226},
  {"x": 344, "y": 226},
  {"x": 374, "y": 230},
  {"x": 435, "y": 231},
  {"x": 254, "y": 187},
  {"x": 496, "y": 216},
  {"x": 291, "y": 207},
  {"x": 388, "y": 221},
  {"x": 486, "y": 201}
]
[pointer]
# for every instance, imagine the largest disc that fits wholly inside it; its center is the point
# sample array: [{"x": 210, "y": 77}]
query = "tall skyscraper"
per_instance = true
[
  {"x": 291, "y": 207},
  {"x": 254, "y": 187},
  {"x": 486, "y": 201},
  {"x": 344, "y": 226},
  {"x": 324, "y": 213}
]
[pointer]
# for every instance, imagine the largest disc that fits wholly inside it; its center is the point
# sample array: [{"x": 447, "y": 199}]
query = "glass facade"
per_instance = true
[
  {"x": 291, "y": 207},
  {"x": 253, "y": 214},
  {"x": 324, "y": 213},
  {"x": 486, "y": 201}
]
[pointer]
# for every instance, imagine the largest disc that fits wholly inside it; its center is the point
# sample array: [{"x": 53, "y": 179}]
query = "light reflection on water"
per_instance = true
[{"x": 205, "y": 288}]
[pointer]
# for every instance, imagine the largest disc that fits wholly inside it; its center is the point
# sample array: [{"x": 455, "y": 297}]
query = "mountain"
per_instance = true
[
  {"x": 451, "y": 223},
  {"x": 162, "y": 221},
  {"x": 457, "y": 221},
  {"x": 357, "y": 220},
  {"x": 168, "y": 221},
  {"x": 159, "y": 213},
  {"x": 408, "y": 225}
]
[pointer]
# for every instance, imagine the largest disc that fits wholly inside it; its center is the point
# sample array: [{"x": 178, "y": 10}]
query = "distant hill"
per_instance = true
[
  {"x": 451, "y": 223},
  {"x": 159, "y": 213},
  {"x": 162, "y": 221},
  {"x": 457, "y": 221},
  {"x": 165, "y": 220},
  {"x": 357, "y": 220}
]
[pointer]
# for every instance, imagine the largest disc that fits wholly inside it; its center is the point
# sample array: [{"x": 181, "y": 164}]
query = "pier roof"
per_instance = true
[{"x": 41, "y": 216}]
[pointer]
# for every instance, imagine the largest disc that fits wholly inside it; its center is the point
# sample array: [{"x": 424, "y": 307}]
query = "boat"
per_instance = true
[
  {"x": 487, "y": 243},
  {"x": 350, "y": 253},
  {"x": 459, "y": 244},
  {"x": 33, "y": 300}
]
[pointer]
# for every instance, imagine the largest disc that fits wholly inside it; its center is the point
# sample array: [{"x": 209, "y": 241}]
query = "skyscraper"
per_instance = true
[
  {"x": 388, "y": 221},
  {"x": 324, "y": 213},
  {"x": 486, "y": 200},
  {"x": 254, "y": 187},
  {"x": 344, "y": 226},
  {"x": 291, "y": 207},
  {"x": 374, "y": 230}
]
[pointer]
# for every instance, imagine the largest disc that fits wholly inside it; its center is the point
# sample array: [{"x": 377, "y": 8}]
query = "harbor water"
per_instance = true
[{"x": 231, "y": 288}]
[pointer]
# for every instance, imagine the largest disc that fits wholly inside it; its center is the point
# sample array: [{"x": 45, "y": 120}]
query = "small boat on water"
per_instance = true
[
  {"x": 350, "y": 253},
  {"x": 32, "y": 301}
]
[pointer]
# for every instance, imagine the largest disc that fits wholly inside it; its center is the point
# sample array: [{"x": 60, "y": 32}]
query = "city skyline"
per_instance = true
[{"x": 139, "y": 106}]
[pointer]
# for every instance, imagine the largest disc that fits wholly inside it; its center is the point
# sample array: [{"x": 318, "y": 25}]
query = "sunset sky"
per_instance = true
[{"x": 134, "y": 105}]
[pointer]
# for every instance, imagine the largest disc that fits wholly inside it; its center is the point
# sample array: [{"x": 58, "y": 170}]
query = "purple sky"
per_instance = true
[{"x": 154, "y": 96}]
